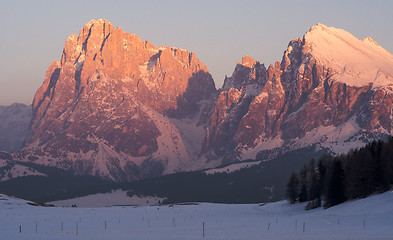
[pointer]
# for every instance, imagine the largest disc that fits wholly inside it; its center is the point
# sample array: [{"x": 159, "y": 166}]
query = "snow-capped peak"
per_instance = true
[
  {"x": 355, "y": 62},
  {"x": 370, "y": 41},
  {"x": 319, "y": 26}
]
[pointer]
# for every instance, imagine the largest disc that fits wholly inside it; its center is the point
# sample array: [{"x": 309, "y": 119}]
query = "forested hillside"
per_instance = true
[{"x": 335, "y": 179}]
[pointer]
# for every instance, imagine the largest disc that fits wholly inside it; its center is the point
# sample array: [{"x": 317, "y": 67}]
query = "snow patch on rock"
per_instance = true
[
  {"x": 18, "y": 171},
  {"x": 232, "y": 167},
  {"x": 338, "y": 139}
]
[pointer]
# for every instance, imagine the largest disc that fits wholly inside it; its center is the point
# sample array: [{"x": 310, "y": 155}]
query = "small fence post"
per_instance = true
[
  {"x": 296, "y": 225},
  {"x": 203, "y": 229}
]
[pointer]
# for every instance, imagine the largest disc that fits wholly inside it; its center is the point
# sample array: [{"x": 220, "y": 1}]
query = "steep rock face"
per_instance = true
[
  {"x": 101, "y": 108},
  {"x": 233, "y": 103},
  {"x": 330, "y": 89},
  {"x": 335, "y": 78},
  {"x": 14, "y": 126},
  {"x": 264, "y": 116}
]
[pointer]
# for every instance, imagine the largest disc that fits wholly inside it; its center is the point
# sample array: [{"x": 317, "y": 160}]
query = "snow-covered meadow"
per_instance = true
[{"x": 370, "y": 218}]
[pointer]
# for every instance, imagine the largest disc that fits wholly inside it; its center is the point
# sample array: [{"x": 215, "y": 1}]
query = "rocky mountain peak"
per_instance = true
[
  {"x": 102, "y": 108},
  {"x": 248, "y": 72},
  {"x": 96, "y": 22},
  {"x": 325, "y": 91},
  {"x": 248, "y": 61}
]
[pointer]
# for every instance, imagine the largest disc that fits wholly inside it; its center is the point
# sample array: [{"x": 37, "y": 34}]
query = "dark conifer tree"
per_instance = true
[
  {"x": 387, "y": 156},
  {"x": 313, "y": 181},
  {"x": 292, "y": 191},
  {"x": 321, "y": 175},
  {"x": 336, "y": 187},
  {"x": 303, "y": 195}
]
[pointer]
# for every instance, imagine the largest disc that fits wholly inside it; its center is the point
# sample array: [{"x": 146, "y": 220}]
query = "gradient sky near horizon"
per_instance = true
[{"x": 220, "y": 32}]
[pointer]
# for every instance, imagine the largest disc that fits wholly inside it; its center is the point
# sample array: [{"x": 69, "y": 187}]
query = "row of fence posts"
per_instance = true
[
  {"x": 304, "y": 224},
  {"x": 174, "y": 225}
]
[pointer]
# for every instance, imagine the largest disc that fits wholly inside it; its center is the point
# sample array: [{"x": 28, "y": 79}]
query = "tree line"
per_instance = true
[{"x": 335, "y": 179}]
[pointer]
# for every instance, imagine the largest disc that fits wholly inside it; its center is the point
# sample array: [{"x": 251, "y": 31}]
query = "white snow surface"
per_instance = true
[
  {"x": 370, "y": 218},
  {"x": 3, "y": 163},
  {"x": 354, "y": 62},
  {"x": 117, "y": 197},
  {"x": 192, "y": 136},
  {"x": 232, "y": 167},
  {"x": 338, "y": 139},
  {"x": 261, "y": 144},
  {"x": 170, "y": 144},
  {"x": 17, "y": 171}
]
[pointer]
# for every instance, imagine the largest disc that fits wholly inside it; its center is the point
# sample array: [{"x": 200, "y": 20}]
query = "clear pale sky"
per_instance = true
[{"x": 33, "y": 33}]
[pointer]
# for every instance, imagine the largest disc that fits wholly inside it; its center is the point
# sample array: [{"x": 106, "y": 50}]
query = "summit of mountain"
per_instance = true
[
  {"x": 102, "y": 108},
  {"x": 330, "y": 90}
]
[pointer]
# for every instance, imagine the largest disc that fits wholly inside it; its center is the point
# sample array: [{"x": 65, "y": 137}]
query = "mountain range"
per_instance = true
[{"x": 120, "y": 108}]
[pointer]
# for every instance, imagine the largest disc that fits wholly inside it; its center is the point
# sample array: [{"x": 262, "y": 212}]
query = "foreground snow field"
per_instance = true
[{"x": 370, "y": 218}]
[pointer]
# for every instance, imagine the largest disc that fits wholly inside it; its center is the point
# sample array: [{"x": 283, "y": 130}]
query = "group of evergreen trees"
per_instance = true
[{"x": 335, "y": 179}]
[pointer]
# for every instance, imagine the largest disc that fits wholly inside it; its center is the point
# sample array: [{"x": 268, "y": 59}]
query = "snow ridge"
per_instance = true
[{"x": 355, "y": 62}]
